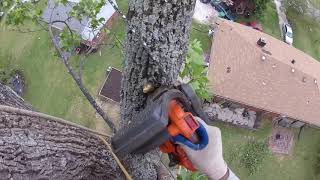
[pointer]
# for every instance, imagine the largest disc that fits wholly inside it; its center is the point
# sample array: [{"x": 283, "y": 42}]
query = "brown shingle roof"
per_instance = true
[{"x": 275, "y": 84}]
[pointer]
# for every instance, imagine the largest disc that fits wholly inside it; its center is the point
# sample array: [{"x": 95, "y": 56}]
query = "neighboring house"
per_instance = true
[
  {"x": 91, "y": 37},
  {"x": 272, "y": 78}
]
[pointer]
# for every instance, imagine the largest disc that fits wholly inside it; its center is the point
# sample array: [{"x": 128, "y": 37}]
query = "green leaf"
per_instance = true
[
  {"x": 188, "y": 175},
  {"x": 196, "y": 71},
  {"x": 69, "y": 40},
  {"x": 195, "y": 85}
]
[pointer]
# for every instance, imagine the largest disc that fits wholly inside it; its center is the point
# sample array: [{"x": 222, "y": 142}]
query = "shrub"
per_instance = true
[
  {"x": 188, "y": 175},
  {"x": 8, "y": 73}
]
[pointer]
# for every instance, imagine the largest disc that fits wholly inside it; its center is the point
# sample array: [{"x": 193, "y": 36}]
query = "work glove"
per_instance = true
[{"x": 209, "y": 159}]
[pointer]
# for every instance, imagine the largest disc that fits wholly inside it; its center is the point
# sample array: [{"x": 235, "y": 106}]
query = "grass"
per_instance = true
[
  {"x": 315, "y": 3},
  {"x": 306, "y": 33},
  {"x": 50, "y": 88},
  {"x": 200, "y": 32},
  {"x": 296, "y": 166},
  {"x": 268, "y": 19}
]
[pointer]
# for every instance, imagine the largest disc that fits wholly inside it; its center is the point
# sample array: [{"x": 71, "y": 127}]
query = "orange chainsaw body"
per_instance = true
[
  {"x": 167, "y": 118},
  {"x": 180, "y": 123}
]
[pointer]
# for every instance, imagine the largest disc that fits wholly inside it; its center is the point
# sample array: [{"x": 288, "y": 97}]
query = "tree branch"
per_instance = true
[
  {"x": 77, "y": 79},
  {"x": 25, "y": 30}
]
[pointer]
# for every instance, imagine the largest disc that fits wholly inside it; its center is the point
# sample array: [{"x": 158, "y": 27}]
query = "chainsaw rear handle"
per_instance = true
[{"x": 202, "y": 142}]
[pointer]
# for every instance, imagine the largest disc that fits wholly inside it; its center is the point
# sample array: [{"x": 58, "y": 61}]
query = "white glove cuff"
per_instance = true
[
  {"x": 218, "y": 170},
  {"x": 232, "y": 176}
]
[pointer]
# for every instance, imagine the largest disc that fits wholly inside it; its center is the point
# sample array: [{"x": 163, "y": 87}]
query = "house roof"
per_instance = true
[
  {"x": 112, "y": 85},
  {"x": 60, "y": 12},
  {"x": 286, "y": 82}
]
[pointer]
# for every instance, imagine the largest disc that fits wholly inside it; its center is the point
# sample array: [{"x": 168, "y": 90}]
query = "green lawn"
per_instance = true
[
  {"x": 200, "y": 32},
  {"x": 50, "y": 88},
  {"x": 301, "y": 164},
  {"x": 270, "y": 21},
  {"x": 315, "y": 3},
  {"x": 306, "y": 33}
]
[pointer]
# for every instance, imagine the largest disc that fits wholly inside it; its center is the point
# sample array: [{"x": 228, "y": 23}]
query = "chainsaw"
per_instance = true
[{"x": 167, "y": 119}]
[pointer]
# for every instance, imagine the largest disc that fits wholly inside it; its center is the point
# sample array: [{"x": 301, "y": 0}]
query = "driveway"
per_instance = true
[
  {"x": 281, "y": 14},
  {"x": 204, "y": 13}
]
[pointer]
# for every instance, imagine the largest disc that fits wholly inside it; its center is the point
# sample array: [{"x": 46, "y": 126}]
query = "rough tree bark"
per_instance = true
[
  {"x": 156, "y": 46},
  {"x": 34, "y": 147}
]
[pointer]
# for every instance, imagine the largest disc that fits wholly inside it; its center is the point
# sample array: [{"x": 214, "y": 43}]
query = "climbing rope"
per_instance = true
[
  {"x": 99, "y": 135},
  {"x": 124, "y": 170}
]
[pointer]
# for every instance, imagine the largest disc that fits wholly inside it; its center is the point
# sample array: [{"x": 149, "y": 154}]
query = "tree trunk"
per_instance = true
[
  {"x": 156, "y": 47},
  {"x": 34, "y": 146}
]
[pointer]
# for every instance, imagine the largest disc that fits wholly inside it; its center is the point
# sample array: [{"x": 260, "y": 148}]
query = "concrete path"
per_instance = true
[
  {"x": 281, "y": 14},
  {"x": 204, "y": 13}
]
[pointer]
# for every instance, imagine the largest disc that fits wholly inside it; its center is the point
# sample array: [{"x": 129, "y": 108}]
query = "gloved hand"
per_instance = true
[{"x": 210, "y": 160}]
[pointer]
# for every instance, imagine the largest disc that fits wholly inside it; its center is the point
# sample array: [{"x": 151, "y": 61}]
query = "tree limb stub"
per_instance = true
[{"x": 156, "y": 46}]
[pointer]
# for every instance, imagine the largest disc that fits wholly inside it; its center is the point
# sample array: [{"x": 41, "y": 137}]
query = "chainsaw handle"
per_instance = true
[{"x": 203, "y": 139}]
